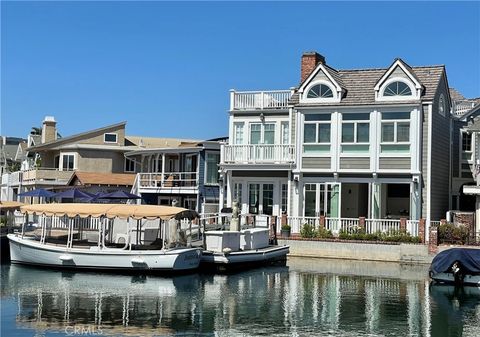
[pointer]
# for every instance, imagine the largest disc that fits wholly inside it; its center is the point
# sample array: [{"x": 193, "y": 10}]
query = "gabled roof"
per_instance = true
[
  {"x": 76, "y": 137},
  {"x": 331, "y": 73},
  {"x": 360, "y": 85},
  {"x": 398, "y": 62},
  {"x": 96, "y": 178}
]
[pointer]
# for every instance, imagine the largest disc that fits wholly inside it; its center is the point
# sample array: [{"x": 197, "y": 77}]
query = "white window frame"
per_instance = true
[
  {"x": 285, "y": 128},
  {"x": 238, "y": 125},
  {"x": 462, "y": 151},
  {"x": 110, "y": 133},
  {"x": 413, "y": 96},
  {"x": 355, "y": 123},
  {"x": 395, "y": 134},
  {"x": 262, "y": 133},
  {"x": 206, "y": 168},
  {"x": 441, "y": 106},
  {"x": 334, "y": 98},
  {"x": 329, "y": 143},
  {"x": 64, "y": 154},
  {"x": 125, "y": 165}
]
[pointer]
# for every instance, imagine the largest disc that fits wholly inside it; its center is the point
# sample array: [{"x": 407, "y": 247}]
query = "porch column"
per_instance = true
[
  {"x": 156, "y": 162},
  {"x": 415, "y": 203},
  {"x": 163, "y": 168},
  {"x": 376, "y": 203}
]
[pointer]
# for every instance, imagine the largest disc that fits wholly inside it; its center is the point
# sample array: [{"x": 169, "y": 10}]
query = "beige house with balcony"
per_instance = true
[{"x": 57, "y": 163}]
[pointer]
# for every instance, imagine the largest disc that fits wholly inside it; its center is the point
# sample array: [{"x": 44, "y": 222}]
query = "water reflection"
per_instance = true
[{"x": 301, "y": 300}]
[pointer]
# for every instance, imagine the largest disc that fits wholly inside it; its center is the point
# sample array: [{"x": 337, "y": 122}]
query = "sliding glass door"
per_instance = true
[{"x": 322, "y": 199}]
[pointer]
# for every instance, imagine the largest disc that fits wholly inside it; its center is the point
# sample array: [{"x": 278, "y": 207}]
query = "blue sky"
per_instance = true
[{"x": 166, "y": 68}]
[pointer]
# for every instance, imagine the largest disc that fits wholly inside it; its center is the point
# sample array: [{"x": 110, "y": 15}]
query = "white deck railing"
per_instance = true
[
  {"x": 258, "y": 154},
  {"x": 350, "y": 225},
  {"x": 461, "y": 107},
  {"x": 252, "y": 100},
  {"x": 167, "y": 179}
]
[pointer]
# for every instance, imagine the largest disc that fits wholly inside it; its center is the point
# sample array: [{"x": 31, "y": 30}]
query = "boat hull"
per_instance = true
[
  {"x": 276, "y": 255},
  {"x": 449, "y": 278},
  {"x": 26, "y": 251}
]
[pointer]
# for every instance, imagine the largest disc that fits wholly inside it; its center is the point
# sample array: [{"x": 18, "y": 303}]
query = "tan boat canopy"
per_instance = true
[
  {"x": 123, "y": 211},
  {"x": 10, "y": 205}
]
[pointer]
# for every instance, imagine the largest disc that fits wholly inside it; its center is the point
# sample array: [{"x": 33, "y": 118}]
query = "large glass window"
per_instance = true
[
  {"x": 355, "y": 132},
  {"x": 395, "y": 132},
  {"x": 466, "y": 146},
  {"x": 238, "y": 133},
  {"x": 285, "y": 133},
  {"x": 316, "y": 134},
  {"x": 397, "y": 88},
  {"x": 68, "y": 162},
  {"x": 129, "y": 165},
  {"x": 320, "y": 91},
  {"x": 262, "y": 133},
  {"x": 212, "y": 175}
]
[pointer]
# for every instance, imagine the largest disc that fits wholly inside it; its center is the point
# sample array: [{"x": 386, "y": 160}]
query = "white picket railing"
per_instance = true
[
  {"x": 381, "y": 225},
  {"x": 251, "y": 100},
  {"x": 167, "y": 179},
  {"x": 461, "y": 107},
  {"x": 258, "y": 154},
  {"x": 351, "y": 225}
]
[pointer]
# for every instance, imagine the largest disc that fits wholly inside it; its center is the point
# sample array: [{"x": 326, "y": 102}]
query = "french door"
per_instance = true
[
  {"x": 322, "y": 199},
  {"x": 260, "y": 198}
]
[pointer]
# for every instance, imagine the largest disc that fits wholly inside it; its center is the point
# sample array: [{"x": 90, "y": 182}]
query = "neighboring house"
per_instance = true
[
  {"x": 185, "y": 174},
  {"x": 470, "y": 191},
  {"x": 464, "y": 147},
  {"x": 11, "y": 156},
  {"x": 344, "y": 144},
  {"x": 94, "y": 160}
]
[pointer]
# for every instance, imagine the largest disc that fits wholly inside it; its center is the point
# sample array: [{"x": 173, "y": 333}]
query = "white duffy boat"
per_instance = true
[
  {"x": 105, "y": 236},
  {"x": 241, "y": 249}
]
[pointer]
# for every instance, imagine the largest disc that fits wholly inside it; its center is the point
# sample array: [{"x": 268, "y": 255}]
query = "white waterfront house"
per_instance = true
[{"x": 344, "y": 144}]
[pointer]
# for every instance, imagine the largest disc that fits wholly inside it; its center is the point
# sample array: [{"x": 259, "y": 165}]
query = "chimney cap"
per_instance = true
[
  {"x": 319, "y": 58},
  {"x": 49, "y": 119}
]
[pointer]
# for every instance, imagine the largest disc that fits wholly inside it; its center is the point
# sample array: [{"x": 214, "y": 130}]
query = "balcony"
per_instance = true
[
  {"x": 258, "y": 154},
  {"x": 46, "y": 176},
  {"x": 259, "y": 100},
  {"x": 462, "y": 107},
  {"x": 178, "y": 181}
]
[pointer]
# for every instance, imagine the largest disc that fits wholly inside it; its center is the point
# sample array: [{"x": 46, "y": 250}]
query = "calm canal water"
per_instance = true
[{"x": 309, "y": 297}]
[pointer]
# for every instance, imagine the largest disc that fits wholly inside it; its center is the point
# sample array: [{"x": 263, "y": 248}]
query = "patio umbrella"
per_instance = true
[
  {"x": 39, "y": 192},
  {"x": 73, "y": 194},
  {"x": 94, "y": 197},
  {"x": 120, "y": 195}
]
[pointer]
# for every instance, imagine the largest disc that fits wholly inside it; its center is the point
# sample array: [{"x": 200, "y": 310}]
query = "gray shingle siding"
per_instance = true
[
  {"x": 316, "y": 163},
  {"x": 425, "y": 118},
  {"x": 395, "y": 163},
  {"x": 355, "y": 163},
  {"x": 440, "y": 161}
]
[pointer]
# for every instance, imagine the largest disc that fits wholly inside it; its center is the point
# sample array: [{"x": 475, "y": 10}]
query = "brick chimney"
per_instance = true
[
  {"x": 49, "y": 129},
  {"x": 309, "y": 62}
]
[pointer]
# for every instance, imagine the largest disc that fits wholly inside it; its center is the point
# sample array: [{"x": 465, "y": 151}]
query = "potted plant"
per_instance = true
[{"x": 286, "y": 229}]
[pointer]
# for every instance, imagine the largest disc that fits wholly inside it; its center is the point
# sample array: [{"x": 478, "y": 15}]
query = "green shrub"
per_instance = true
[
  {"x": 324, "y": 233},
  {"x": 307, "y": 231},
  {"x": 286, "y": 227},
  {"x": 449, "y": 233},
  {"x": 392, "y": 236}
]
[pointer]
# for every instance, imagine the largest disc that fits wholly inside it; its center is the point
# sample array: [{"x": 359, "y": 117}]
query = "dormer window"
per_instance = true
[
  {"x": 320, "y": 91},
  {"x": 397, "y": 88}
]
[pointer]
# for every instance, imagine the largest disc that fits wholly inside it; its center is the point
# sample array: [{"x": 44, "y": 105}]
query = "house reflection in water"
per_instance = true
[{"x": 261, "y": 302}]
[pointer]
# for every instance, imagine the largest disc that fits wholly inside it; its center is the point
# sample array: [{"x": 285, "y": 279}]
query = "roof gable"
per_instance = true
[
  {"x": 83, "y": 137},
  {"x": 322, "y": 72},
  {"x": 399, "y": 69}
]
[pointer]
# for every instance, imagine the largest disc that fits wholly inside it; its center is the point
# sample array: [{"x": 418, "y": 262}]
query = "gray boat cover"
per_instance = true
[{"x": 469, "y": 259}]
